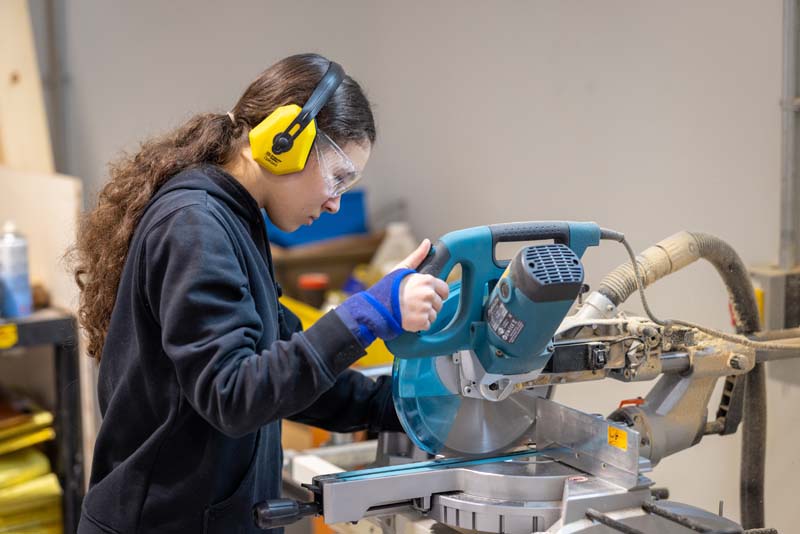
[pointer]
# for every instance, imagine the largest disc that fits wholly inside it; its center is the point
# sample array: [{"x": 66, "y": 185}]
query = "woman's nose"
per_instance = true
[{"x": 332, "y": 204}]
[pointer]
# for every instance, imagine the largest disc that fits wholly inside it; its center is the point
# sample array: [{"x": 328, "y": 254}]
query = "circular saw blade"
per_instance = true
[{"x": 440, "y": 420}]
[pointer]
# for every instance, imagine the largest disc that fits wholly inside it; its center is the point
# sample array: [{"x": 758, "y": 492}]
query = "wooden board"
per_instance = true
[
  {"x": 46, "y": 208},
  {"x": 24, "y": 132}
]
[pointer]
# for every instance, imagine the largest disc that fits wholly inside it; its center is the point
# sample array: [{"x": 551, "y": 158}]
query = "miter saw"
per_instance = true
[{"x": 474, "y": 392}]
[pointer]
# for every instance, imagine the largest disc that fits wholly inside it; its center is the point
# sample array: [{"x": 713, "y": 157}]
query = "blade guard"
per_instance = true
[{"x": 474, "y": 249}]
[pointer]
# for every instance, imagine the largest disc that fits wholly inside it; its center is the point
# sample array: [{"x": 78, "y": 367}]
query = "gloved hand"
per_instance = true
[{"x": 401, "y": 300}]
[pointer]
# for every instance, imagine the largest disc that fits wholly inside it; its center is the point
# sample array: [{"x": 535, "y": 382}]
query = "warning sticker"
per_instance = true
[
  {"x": 617, "y": 438},
  {"x": 502, "y": 322}
]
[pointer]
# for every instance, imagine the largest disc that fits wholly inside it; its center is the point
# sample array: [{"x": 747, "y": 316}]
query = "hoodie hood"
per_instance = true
[
  {"x": 217, "y": 183},
  {"x": 222, "y": 188}
]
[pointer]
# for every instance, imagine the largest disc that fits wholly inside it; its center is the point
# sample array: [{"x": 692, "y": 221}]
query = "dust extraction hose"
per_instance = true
[{"x": 671, "y": 255}]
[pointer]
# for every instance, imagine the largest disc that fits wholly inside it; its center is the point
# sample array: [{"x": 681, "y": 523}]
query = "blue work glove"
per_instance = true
[{"x": 376, "y": 311}]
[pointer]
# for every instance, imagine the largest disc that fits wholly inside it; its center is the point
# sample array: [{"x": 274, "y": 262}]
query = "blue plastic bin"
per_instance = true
[{"x": 350, "y": 220}]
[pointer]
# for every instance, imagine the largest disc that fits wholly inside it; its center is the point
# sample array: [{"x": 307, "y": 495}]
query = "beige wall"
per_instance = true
[{"x": 648, "y": 117}]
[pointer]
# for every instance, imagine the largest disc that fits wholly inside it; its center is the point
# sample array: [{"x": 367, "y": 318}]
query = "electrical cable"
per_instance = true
[{"x": 621, "y": 282}]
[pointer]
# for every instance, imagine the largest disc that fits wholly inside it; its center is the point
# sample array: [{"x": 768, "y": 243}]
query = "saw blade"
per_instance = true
[{"x": 440, "y": 420}]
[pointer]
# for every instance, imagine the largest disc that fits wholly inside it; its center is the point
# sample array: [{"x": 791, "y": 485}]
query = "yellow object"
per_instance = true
[
  {"x": 617, "y": 438},
  {"x": 377, "y": 353},
  {"x": 41, "y": 520},
  {"x": 367, "y": 274},
  {"x": 26, "y": 440},
  {"x": 38, "y": 421},
  {"x": 760, "y": 303},
  {"x": 22, "y": 466},
  {"x": 39, "y": 492},
  {"x": 8, "y": 336},
  {"x": 52, "y": 528},
  {"x": 263, "y": 136}
]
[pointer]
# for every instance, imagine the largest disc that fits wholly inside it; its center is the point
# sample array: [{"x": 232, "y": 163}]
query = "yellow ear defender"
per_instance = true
[{"x": 282, "y": 141}]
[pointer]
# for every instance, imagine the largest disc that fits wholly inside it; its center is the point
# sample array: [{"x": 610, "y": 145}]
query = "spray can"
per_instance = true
[{"x": 14, "y": 277}]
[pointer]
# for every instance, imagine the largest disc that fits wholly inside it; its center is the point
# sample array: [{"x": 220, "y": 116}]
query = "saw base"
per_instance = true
[{"x": 527, "y": 493}]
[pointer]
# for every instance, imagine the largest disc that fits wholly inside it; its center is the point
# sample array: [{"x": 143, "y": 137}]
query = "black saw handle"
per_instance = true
[
  {"x": 436, "y": 259},
  {"x": 558, "y": 231},
  {"x": 276, "y": 513}
]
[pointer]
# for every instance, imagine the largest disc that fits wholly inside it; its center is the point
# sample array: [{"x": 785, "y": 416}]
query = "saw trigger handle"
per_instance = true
[{"x": 435, "y": 261}]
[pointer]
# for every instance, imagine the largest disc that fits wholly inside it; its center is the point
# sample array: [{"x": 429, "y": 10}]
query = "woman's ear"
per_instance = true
[
  {"x": 246, "y": 155},
  {"x": 246, "y": 152}
]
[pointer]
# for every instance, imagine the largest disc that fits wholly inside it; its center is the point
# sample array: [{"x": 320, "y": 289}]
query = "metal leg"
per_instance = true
[{"x": 68, "y": 431}]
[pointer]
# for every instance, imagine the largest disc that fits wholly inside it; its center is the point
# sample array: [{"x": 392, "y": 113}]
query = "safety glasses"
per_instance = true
[{"x": 337, "y": 168}]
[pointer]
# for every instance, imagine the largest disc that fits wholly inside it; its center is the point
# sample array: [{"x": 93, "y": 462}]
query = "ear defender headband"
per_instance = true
[{"x": 282, "y": 141}]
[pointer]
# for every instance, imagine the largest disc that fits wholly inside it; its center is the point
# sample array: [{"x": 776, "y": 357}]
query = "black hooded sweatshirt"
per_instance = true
[{"x": 200, "y": 364}]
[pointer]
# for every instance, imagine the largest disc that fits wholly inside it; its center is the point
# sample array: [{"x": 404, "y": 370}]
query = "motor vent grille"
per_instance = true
[{"x": 553, "y": 264}]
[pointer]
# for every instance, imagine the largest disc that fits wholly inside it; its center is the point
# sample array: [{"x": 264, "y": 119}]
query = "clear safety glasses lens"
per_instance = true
[{"x": 337, "y": 168}]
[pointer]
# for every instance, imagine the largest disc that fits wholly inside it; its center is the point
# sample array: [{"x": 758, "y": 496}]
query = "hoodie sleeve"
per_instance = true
[
  {"x": 354, "y": 402},
  {"x": 197, "y": 290}
]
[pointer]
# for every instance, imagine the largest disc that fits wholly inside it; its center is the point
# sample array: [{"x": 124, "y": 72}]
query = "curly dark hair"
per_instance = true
[{"x": 105, "y": 232}]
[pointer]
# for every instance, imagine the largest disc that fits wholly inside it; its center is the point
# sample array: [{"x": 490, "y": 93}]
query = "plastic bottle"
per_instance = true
[
  {"x": 398, "y": 243},
  {"x": 14, "y": 276}
]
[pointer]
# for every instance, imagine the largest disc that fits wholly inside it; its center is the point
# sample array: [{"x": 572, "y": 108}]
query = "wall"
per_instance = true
[{"x": 647, "y": 117}]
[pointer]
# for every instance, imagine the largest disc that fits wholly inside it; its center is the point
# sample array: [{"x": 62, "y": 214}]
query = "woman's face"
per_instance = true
[{"x": 298, "y": 199}]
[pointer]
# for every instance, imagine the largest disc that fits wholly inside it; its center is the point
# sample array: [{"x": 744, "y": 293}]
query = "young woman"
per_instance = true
[{"x": 198, "y": 361}]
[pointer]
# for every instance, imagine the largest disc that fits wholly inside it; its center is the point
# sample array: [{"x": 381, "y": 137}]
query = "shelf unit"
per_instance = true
[{"x": 59, "y": 330}]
